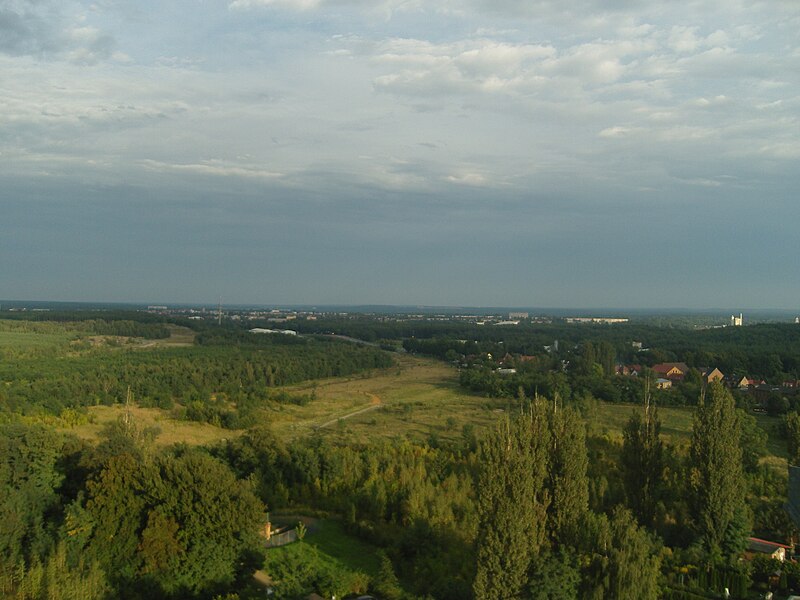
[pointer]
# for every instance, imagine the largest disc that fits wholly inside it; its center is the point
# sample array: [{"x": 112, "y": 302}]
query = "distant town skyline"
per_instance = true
[{"x": 509, "y": 153}]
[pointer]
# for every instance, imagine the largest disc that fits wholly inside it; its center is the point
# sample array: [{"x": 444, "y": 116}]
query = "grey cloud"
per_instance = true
[
  {"x": 25, "y": 29},
  {"x": 44, "y": 28}
]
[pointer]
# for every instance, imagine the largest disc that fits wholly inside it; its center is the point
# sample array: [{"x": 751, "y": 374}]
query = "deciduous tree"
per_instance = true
[{"x": 716, "y": 481}]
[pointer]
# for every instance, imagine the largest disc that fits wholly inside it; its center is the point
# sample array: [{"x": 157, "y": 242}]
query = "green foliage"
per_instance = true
[
  {"x": 180, "y": 521},
  {"x": 385, "y": 583},
  {"x": 642, "y": 464},
  {"x": 634, "y": 561},
  {"x": 793, "y": 437},
  {"x": 60, "y": 579},
  {"x": 30, "y": 477},
  {"x": 300, "y": 569},
  {"x": 622, "y": 563},
  {"x": 753, "y": 441},
  {"x": 717, "y": 483},
  {"x": 512, "y": 504},
  {"x": 554, "y": 575},
  {"x": 207, "y": 380},
  {"x": 301, "y": 530},
  {"x": 567, "y": 480}
]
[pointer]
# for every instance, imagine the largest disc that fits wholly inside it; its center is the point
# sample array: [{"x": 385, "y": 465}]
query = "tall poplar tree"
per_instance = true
[
  {"x": 716, "y": 479},
  {"x": 642, "y": 464},
  {"x": 512, "y": 504},
  {"x": 568, "y": 483},
  {"x": 793, "y": 437}
]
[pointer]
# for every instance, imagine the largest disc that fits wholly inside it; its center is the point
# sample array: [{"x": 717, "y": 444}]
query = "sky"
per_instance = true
[{"x": 579, "y": 153}]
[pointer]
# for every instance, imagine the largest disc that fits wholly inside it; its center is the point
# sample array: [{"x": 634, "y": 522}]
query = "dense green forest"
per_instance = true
[
  {"x": 223, "y": 369},
  {"x": 538, "y": 506}
]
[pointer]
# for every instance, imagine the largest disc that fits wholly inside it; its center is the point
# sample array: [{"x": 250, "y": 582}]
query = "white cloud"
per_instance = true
[
  {"x": 472, "y": 179},
  {"x": 213, "y": 167},
  {"x": 290, "y": 4},
  {"x": 617, "y": 131}
]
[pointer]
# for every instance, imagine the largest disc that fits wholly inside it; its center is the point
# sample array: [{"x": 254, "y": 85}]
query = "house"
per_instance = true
[
  {"x": 663, "y": 384},
  {"x": 736, "y": 382},
  {"x": 711, "y": 375},
  {"x": 629, "y": 370},
  {"x": 772, "y": 549},
  {"x": 675, "y": 371}
]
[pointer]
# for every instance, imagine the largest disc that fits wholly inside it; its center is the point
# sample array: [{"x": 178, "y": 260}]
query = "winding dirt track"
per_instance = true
[{"x": 375, "y": 402}]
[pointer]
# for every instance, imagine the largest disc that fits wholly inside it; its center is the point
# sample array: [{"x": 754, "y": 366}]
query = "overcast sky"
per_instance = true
[{"x": 578, "y": 153}]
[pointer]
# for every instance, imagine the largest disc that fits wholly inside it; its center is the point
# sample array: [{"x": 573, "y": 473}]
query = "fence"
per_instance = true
[{"x": 281, "y": 539}]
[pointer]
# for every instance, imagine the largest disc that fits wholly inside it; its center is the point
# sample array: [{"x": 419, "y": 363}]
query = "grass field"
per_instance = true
[
  {"x": 22, "y": 340},
  {"x": 418, "y": 398},
  {"x": 676, "y": 423},
  {"x": 351, "y": 552},
  {"x": 171, "y": 431},
  {"x": 328, "y": 552},
  {"x": 178, "y": 337}
]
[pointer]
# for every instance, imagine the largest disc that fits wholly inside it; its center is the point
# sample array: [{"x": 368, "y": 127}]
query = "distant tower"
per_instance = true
[{"x": 219, "y": 312}]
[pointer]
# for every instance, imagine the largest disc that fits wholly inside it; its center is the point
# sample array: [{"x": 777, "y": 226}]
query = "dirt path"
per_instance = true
[
  {"x": 178, "y": 336},
  {"x": 375, "y": 402}
]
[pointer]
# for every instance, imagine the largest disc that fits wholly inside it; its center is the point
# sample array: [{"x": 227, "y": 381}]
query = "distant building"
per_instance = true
[
  {"x": 710, "y": 375},
  {"x": 672, "y": 371},
  {"x": 629, "y": 370},
  {"x": 663, "y": 384},
  {"x": 737, "y": 382},
  {"x": 772, "y": 549},
  {"x": 606, "y": 320},
  {"x": 506, "y": 371},
  {"x": 737, "y": 321},
  {"x": 517, "y": 315},
  {"x": 282, "y": 331}
]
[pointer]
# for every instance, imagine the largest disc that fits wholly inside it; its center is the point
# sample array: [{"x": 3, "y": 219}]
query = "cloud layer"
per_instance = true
[{"x": 311, "y": 151}]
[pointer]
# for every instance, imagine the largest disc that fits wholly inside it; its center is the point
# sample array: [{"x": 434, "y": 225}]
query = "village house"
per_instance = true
[
  {"x": 674, "y": 371},
  {"x": 629, "y": 370},
  {"x": 772, "y": 549},
  {"x": 736, "y": 382},
  {"x": 710, "y": 375}
]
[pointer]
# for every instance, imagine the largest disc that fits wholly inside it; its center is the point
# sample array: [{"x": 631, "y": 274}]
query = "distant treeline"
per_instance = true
[
  {"x": 770, "y": 351},
  {"x": 203, "y": 379},
  {"x": 95, "y": 326}
]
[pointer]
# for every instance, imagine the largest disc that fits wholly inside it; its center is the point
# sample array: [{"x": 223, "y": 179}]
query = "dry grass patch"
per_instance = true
[
  {"x": 171, "y": 431},
  {"x": 417, "y": 397}
]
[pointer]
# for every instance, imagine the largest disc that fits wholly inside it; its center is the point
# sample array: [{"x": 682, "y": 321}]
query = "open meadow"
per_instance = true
[{"x": 418, "y": 398}]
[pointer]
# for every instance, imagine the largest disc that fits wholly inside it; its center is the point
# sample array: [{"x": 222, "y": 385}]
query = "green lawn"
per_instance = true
[
  {"x": 328, "y": 561},
  {"x": 676, "y": 423},
  {"x": 23, "y": 340},
  {"x": 352, "y": 553},
  {"x": 775, "y": 444}
]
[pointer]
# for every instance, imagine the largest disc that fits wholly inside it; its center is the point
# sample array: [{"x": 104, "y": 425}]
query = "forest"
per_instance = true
[{"x": 538, "y": 505}]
